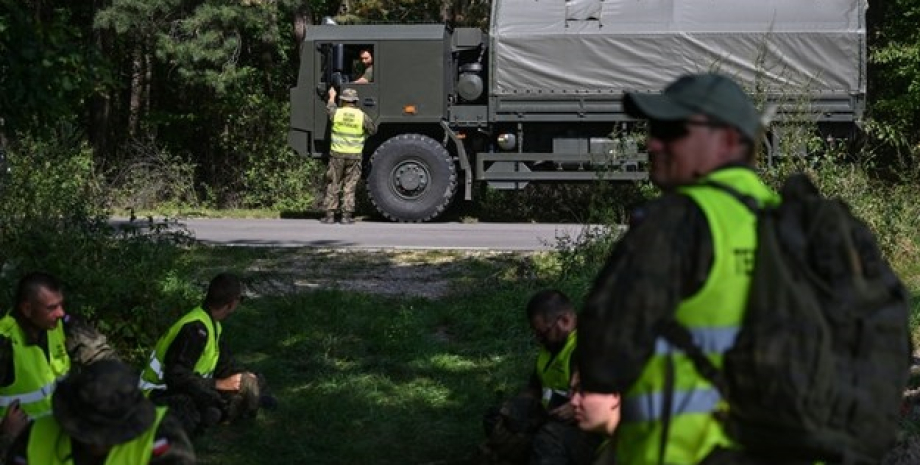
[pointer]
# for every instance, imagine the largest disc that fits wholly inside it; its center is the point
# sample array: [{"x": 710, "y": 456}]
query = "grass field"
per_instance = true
[{"x": 369, "y": 378}]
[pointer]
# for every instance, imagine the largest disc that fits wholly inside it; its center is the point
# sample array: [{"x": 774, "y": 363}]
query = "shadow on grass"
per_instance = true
[{"x": 367, "y": 379}]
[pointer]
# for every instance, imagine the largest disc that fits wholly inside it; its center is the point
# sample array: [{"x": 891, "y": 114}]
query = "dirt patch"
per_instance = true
[{"x": 427, "y": 274}]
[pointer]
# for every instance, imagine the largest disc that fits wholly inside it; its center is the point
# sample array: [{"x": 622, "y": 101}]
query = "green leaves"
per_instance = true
[{"x": 46, "y": 69}]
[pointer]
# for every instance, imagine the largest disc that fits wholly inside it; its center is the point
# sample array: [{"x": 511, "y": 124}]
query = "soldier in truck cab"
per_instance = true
[{"x": 368, "y": 61}]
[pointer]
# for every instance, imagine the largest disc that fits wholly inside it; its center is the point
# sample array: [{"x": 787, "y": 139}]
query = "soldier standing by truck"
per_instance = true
[{"x": 350, "y": 126}]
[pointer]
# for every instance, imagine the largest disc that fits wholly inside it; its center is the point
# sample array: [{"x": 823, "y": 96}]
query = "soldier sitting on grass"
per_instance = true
[
  {"x": 193, "y": 372},
  {"x": 38, "y": 344},
  {"x": 102, "y": 417},
  {"x": 539, "y": 426}
]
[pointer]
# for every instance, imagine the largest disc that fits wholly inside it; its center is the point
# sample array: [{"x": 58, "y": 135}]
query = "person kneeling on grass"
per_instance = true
[
  {"x": 100, "y": 416},
  {"x": 193, "y": 372}
]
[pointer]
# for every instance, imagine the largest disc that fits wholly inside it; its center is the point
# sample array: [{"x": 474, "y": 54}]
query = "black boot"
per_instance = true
[
  {"x": 347, "y": 218},
  {"x": 329, "y": 218}
]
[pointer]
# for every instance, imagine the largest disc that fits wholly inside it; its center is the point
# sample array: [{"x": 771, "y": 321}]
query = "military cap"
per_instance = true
[
  {"x": 714, "y": 95},
  {"x": 349, "y": 95},
  {"x": 102, "y": 404}
]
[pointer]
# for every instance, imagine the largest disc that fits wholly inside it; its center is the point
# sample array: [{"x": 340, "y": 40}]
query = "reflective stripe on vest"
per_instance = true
[
  {"x": 709, "y": 340},
  {"x": 348, "y": 130},
  {"x": 152, "y": 377},
  {"x": 651, "y": 406},
  {"x": 49, "y": 445},
  {"x": 35, "y": 374},
  {"x": 554, "y": 370},
  {"x": 712, "y": 316}
]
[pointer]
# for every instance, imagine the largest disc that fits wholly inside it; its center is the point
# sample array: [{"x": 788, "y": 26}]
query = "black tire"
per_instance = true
[{"x": 412, "y": 178}]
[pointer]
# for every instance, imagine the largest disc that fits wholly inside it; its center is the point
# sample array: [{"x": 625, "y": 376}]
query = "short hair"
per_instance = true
[
  {"x": 365, "y": 50},
  {"x": 30, "y": 284},
  {"x": 549, "y": 303},
  {"x": 224, "y": 289}
]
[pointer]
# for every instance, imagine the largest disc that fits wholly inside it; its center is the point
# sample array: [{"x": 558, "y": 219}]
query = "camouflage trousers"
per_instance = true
[
  {"x": 196, "y": 415},
  {"x": 342, "y": 175}
]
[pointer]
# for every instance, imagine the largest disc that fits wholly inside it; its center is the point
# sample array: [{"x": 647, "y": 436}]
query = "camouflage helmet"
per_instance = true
[
  {"x": 102, "y": 404},
  {"x": 349, "y": 95}
]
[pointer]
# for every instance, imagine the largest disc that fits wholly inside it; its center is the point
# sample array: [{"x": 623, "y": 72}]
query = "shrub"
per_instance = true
[{"x": 54, "y": 221}]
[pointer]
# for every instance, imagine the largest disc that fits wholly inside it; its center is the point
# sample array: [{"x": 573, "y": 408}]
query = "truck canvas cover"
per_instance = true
[{"x": 779, "y": 47}]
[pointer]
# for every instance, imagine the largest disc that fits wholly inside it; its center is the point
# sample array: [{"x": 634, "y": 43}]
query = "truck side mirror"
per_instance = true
[{"x": 338, "y": 79}]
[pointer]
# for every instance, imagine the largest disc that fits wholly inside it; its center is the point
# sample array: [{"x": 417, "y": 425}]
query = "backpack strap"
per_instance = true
[
  {"x": 678, "y": 335},
  {"x": 748, "y": 201}
]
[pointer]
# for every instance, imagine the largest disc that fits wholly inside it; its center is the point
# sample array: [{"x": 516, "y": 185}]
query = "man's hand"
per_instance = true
[
  {"x": 230, "y": 383},
  {"x": 332, "y": 94},
  {"x": 564, "y": 413},
  {"x": 15, "y": 420}
]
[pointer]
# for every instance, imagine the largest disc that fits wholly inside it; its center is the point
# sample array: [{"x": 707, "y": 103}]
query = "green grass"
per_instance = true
[{"x": 366, "y": 379}]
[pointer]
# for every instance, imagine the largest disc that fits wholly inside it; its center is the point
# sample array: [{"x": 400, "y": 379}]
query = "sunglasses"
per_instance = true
[{"x": 669, "y": 131}]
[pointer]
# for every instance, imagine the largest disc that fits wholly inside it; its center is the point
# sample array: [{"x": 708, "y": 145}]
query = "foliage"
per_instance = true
[
  {"x": 151, "y": 177},
  {"x": 46, "y": 70},
  {"x": 284, "y": 181},
  {"x": 54, "y": 222},
  {"x": 894, "y": 81}
]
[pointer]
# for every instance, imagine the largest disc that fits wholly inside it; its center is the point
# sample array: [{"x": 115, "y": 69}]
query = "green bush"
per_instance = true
[
  {"x": 129, "y": 284},
  {"x": 152, "y": 177},
  {"x": 283, "y": 181}
]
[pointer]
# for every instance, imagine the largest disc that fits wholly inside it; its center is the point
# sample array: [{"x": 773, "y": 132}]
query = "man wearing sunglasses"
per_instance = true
[
  {"x": 686, "y": 258},
  {"x": 192, "y": 371},
  {"x": 549, "y": 417}
]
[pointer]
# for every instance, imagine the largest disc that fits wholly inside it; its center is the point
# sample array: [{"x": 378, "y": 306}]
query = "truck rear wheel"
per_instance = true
[{"x": 412, "y": 178}]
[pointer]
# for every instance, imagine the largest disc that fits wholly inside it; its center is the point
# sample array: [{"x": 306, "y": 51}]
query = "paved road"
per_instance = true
[{"x": 380, "y": 235}]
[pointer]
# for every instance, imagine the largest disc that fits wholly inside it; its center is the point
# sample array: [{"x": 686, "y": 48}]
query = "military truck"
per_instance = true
[{"x": 538, "y": 98}]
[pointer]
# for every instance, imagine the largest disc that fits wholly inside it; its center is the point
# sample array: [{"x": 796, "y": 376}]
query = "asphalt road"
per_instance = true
[{"x": 380, "y": 235}]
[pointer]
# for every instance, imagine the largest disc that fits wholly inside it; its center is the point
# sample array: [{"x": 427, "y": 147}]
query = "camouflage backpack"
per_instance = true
[{"x": 819, "y": 366}]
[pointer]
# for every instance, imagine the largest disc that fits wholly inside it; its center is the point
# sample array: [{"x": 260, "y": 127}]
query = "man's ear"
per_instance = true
[
  {"x": 25, "y": 309},
  {"x": 568, "y": 320}
]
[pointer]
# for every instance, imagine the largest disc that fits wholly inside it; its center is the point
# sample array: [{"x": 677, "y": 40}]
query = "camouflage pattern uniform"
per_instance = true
[
  {"x": 195, "y": 400},
  {"x": 175, "y": 448},
  {"x": 84, "y": 344},
  {"x": 344, "y": 169},
  {"x": 102, "y": 405}
]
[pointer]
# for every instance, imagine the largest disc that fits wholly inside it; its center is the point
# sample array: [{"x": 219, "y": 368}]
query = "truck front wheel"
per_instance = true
[{"x": 412, "y": 178}]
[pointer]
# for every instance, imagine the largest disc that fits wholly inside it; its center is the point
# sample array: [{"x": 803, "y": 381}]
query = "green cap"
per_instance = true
[
  {"x": 714, "y": 95},
  {"x": 102, "y": 404}
]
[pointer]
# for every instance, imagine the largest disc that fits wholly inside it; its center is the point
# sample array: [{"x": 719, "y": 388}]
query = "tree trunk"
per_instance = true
[{"x": 137, "y": 90}]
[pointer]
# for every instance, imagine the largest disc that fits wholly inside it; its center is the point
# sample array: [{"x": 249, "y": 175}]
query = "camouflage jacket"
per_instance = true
[
  {"x": 179, "y": 366},
  {"x": 664, "y": 258}
]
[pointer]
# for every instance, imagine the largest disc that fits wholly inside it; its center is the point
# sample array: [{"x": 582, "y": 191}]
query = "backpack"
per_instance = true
[{"x": 818, "y": 368}]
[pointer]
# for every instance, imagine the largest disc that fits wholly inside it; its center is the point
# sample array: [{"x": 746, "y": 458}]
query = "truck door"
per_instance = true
[{"x": 347, "y": 65}]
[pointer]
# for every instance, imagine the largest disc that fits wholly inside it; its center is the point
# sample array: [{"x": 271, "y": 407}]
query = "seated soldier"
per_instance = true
[
  {"x": 102, "y": 417},
  {"x": 39, "y": 342},
  {"x": 554, "y": 435},
  {"x": 192, "y": 371}
]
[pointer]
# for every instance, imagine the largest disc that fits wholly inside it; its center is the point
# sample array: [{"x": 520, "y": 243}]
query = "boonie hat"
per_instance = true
[
  {"x": 713, "y": 95},
  {"x": 102, "y": 404},
  {"x": 349, "y": 95}
]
